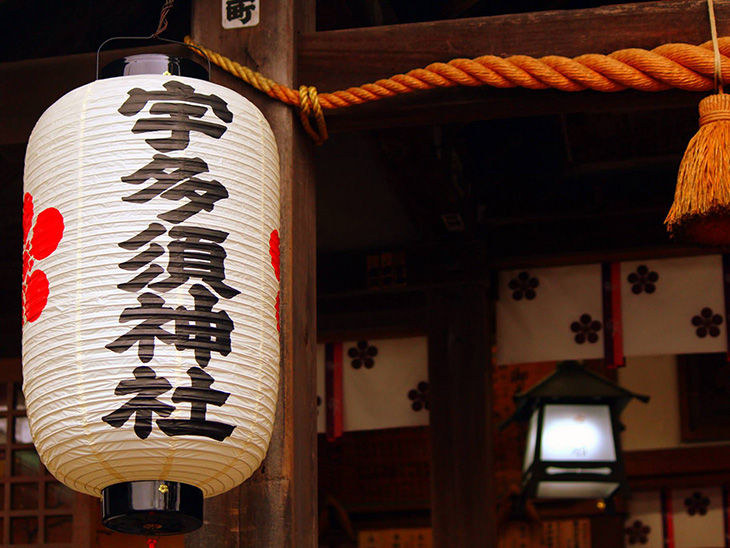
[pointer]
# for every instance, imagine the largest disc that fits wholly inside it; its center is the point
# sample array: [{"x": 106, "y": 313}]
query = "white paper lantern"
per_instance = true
[{"x": 150, "y": 337}]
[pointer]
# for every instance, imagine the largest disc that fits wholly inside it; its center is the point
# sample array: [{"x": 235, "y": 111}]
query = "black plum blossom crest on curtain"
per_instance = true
[
  {"x": 523, "y": 286},
  {"x": 363, "y": 355},
  {"x": 697, "y": 504},
  {"x": 707, "y": 323},
  {"x": 419, "y": 396},
  {"x": 643, "y": 280},
  {"x": 637, "y": 532},
  {"x": 586, "y": 329}
]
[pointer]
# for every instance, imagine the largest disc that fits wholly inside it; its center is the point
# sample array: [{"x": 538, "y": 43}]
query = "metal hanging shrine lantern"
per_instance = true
[
  {"x": 151, "y": 291},
  {"x": 573, "y": 447}
]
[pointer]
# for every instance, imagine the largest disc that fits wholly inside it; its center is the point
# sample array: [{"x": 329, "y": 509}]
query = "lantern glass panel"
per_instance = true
[
  {"x": 575, "y": 489},
  {"x": 531, "y": 440},
  {"x": 576, "y": 432}
]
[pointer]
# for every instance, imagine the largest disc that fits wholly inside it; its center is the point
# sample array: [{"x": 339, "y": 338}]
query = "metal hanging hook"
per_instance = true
[
  {"x": 161, "y": 26},
  {"x": 150, "y": 37}
]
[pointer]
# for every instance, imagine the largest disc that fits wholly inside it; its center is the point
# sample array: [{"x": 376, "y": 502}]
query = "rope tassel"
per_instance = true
[{"x": 701, "y": 209}]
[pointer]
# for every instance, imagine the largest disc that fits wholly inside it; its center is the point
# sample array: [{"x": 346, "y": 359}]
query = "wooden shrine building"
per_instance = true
[{"x": 400, "y": 236}]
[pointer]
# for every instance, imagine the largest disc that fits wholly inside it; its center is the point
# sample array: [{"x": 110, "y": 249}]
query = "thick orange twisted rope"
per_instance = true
[{"x": 681, "y": 66}]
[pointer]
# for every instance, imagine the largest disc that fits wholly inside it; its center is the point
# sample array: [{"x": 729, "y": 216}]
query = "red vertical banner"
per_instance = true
[
  {"x": 667, "y": 518},
  {"x": 333, "y": 389},
  {"x": 613, "y": 340}
]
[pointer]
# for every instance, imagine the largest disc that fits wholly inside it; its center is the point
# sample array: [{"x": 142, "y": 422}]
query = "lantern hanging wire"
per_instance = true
[{"x": 161, "y": 27}]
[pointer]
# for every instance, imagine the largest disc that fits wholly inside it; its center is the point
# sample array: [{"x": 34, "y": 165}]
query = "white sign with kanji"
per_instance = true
[{"x": 236, "y": 14}]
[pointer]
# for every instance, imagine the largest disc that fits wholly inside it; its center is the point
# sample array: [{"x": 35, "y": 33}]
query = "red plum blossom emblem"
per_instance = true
[{"x": 40, "y": 238}]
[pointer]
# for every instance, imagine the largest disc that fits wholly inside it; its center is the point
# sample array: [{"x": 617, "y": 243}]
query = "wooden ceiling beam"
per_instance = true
[
  {"x": 335, "y": 60},
  {"x": 339, "y": 59},
  {"x": 446, "y": 106}
]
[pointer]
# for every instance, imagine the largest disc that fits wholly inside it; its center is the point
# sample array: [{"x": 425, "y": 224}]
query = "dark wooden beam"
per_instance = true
[
  {"x": 28, "y": 88},
  {"x": 339, "y": 59},
  {"x": 336, "y": 60},
  {"x": 461, "y": 105},
  {"x": 678, "y": 467},
  {"x": 372, "y": 314},
  {"x": 277, "y": 506},
  {"x": 463, "y": 511},
  {"x": 669, "y": 251}
]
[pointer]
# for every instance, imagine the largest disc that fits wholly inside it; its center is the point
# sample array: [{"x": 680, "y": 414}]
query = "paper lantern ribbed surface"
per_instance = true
[{"x": 150, "y": 284}]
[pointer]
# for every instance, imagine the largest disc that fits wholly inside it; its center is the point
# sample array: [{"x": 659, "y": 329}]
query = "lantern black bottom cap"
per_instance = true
[{"x": 152, "y": 508}]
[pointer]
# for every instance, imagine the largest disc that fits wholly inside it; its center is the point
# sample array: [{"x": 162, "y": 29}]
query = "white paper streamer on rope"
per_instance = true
[
  {"x": 660, "y": 322},
  {"x": 643, "y": 525},
  {"x": 537, "y": 307},
  {"x": 169, "y": 197},
  {"x": 698, "y": 519},
  {"x": 389, "y": 391},
  {"x": 669, "y": 306}
]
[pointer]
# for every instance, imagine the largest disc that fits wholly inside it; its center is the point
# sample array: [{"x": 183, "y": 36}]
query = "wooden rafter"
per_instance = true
[{"x": 338, "y": 59}]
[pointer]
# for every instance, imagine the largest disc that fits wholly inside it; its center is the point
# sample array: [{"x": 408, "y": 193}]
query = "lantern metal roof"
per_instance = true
[{"x": 571, "y": 382}]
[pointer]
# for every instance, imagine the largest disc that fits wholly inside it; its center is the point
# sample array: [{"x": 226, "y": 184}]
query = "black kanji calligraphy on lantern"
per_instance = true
[
  {"x": 143, "y": 258},
  {"x": 144, "y": 405},
  {"x": 199, "y": 395},
  {"x": 196, "y": 252},
  {"x": 202, "y": 329},
  {"x": 174, "y": 178},
  {"x": 178, "y": 110},
  {"x": 152, "y": 314}
]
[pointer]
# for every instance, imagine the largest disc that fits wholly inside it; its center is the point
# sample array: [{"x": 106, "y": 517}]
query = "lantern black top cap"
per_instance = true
[
  {"x": 154, "y": 63},
  {"x": 572, "y": 383}
]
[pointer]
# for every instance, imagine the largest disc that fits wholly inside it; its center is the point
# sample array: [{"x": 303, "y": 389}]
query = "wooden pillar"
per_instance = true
[
  {"x": 462, "y": 472},
  {"x": 276, "y": 508}
]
